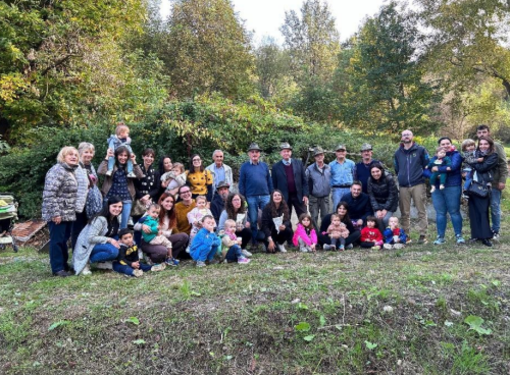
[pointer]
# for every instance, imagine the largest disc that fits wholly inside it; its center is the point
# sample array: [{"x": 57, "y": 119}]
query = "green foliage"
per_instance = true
[{"x": 475, "y": 324}]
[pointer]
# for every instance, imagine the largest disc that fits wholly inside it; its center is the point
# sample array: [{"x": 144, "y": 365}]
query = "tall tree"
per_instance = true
[
  {"x": 272, "y": 66},
  {"x": 208, "y": 49},
  {"x": 312, "y": 40}
]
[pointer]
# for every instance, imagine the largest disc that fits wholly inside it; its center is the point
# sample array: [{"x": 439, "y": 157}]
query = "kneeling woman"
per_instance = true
[
  {"x": 342, "y": 209},
  {"x": 97, "y": 242},
  {"x": 276, "y": 237}
]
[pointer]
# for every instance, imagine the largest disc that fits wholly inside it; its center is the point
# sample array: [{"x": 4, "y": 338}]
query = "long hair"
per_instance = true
[
  {"x": 490, "y": 141},
  {"x": 172, "y": 220},
  {"x": 306, "y": 215},
  {"x": 229, "y": 207},
  {"x": 191, "y": 166},
  {"x": 105, "y": 212},
  {"x": 162, "y": 164},
  {"x": 346, "y": 218},
  {"x": 118, "y": 151},
  {"x": 283, "y": 206}
]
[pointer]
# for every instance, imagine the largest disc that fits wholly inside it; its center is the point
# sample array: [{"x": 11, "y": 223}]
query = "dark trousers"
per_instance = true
[
  {"x": 127, "y": 270},
  {"x": 298, "y": 205},
  {"x": 353, "y": 238},
  {"x": 234, "y": 252},
  {"x": 59, "y": 235},
  {"x": 78, "y": 225},
  {"x": 280, "y": 238},
  {"x": 337, "y": 242},
  {"x": 245, "y": 234}
]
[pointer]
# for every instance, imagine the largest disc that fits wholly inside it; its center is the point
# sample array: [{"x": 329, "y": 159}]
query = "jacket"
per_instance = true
[
  {"x": 83, "y": 188},
  {"x": 128, "y": 255},
  {"x": 229, "y": 177},
  {"x": 60, "y": 193},
  {"x": 389, "y": 234},
  {"x": 326, "y": 222},
  {"x": 301, "y": 233},
  {"x": 383, "y": 193},
  {"x": 280, "y": 179},
  {"x": 267, "y": 220},
  {"x": 217, "y": 206},
  {"x": 337, "y": 231},
  {"x": 359, "y": 208},
  {"x": 149, "y": 184},
  {"x": 454, "y": 175},
  {"x": 371, "y": 235},
  {"x": 319, "y": 182},
  {"x": 153, "y": 224},
  {"x": 410, "y": 164},
  {"x": 108, "y": 180},
  {"x": 203, "y": 243},
  {"x": 486, "y": 169},
  {"x": 501, "y": 173}
]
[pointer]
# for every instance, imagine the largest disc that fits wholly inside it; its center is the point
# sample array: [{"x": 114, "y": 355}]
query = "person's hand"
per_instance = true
[
  {"x": 165, "y": 183},
  {"x": 133, "y": 158},
  {"x": 248, "y": 225},
  {"x": 313, "y": 248},
  {"x": 109, "y": 153},
  {"x": 359, "y": 222},
  {"x": 57, "y": 220},
  {"x": 345, "y": 235},
  {"x": 146, "y": 229},
  {"x": 479, "y": 160},
  {"x": 305, "y": 201},
  {"x": 271, "y": 245},
  {"x": 239, "y": 227},
  {"x": 434, "y": 169},
  {"x": 501, "y": 185},
  {"x": 396, "y": 239},
  {"x": 282, "y": 227},
  {"x": 135, "y": 265},
  {"x": 115, "y": 243}
]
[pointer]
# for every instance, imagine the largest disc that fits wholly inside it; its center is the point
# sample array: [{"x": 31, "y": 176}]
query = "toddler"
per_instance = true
[
  {"x": 128, "y": 261},
  {"x": 206, "y": 243},
  {"x": 120, "y": 138},
  {"x": 195, "y": 215},
  {"x": 371, "y": 237},
  {"x": 468, "y": 157},
  {"x": 394, "y": 237},
  {"x": 337, "y": 233},
  {"x": 305, "y": 235},
  {"x": 232, "y": 244},
  {"x": 440, "y": 160},
  {"x": 177, "y": 177},
  {"x": 155, "y": 237}
]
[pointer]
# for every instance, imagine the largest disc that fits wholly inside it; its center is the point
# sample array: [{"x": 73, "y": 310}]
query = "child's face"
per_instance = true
[
  {"x": 127, "y": 239},
  {"x": 176, "y": 170},
  {"x": 208, "y": 224},
  {"x": 471, "y": 147},
  {"x": 306, "y": 222},
  {"x": 201, "y": 203},
  {"x": 230, "y": 228},
  {"x": 153, "y": 212},
  {"x": 124, "y": 133},
  {"x": 335, "y": 221},
  {"x": 393, "y": 222},
  {"x": 371, "y": 224},
  {"x": 441, "y": 154}
]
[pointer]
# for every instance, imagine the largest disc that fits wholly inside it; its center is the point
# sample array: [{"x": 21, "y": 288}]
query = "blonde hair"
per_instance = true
[
  {"x": 120, "y": 128},
  {"x": 201, "y": 197},
  {"x": 466, "y": 143},
  {"x": 64, "y": 152},
  {"x": 179, "y": 165},
  {"x": 230, "y": 222},
  {"x": 84, "y": 146}
]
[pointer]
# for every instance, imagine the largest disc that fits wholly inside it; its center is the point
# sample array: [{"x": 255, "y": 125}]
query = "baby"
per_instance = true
[
  {"x": 232, "y": 244},
  {"x": 337, "y": 233},
  {"x": 195, "y": 215},
  {"x": 440, "y": 160},
  {"x": 120, "y": 138},
  {"x": 394, "y": 237},
  {"x": 177, "y": 177},
  {"x": 154, "y": 237}
]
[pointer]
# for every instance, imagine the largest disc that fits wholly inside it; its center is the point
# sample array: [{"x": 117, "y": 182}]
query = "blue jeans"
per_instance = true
[
  {"x": 254, "y": 203},
  {"x": 337, "y": 194},
  {"x": 447, "y": 200},
  {"x": 234, "y": 252},
  {"x": 103, "y": 252},
  {"x": 496, "y": 209},
  {"x": 59, "y": 234},
  {"x": 127, "y": 270},
  {"x": 126, "y": 212}
]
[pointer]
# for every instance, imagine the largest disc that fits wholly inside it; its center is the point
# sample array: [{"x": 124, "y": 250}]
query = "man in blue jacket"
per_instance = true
[
  {"x": 359, "y": 205},
  {"x": 410, "y": 162}
]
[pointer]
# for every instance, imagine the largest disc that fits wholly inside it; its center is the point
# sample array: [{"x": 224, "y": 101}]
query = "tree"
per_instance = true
[
  {"x": 312, "y": 41},
  {"x": 208, "y": 49},
  {"x": 271, "y": 64}
]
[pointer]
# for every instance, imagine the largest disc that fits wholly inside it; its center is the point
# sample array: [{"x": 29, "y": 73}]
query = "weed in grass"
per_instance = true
[{"x": 468, "y": 360}]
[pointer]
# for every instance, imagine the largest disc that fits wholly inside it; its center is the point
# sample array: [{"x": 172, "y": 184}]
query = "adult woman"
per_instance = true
[
  {"x": 165, "y": 165},
  {"x": 200, "y": 179},
  {"x": 234, "y": 208},
  {"x": 147, "y": 187},
  {"x": 97, "y": 242},
  {"x": 59, "y": 207},
  {"x": 483, "y": 172},
  {"x": 118, "y": 184},
  {"x": 276, "y": 237},
  {"x": 383, "y": 194},
  {"x": 342, "y": 209},
  {"x": 447, "y": 200},
  {"x": 167, "y": 222}
]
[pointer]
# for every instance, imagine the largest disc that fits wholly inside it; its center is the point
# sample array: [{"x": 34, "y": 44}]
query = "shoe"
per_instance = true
[
  {"x": 495, "y": 236},
  {"x": 246, "y": 253},
  {"x": 327, "y": 246},
  {"x": 441, "y": 187},
  {"x": 214, "y": 261},
  {"x": 187, "y": 249},
  {"x": 422, "y": 240},
  {"x": 376, "y": 247},
  {"x": 104, "y": 265},
  {"x": 440, "y": 241},
  {"x": 398, "y": 246},
  {"x": 281, "y": 248},
  {"x": 86, "y": 271},
  {"x": 388, "y": 246},
  {"x": 62, "y": 273},
  {"x": 460, "y": 240},
  {"x": 304, "y": 249},
  {"x": 200, "y": 264},
  {"x": 243, "y": 260},
  {"x": 432, "y": 189},
  {"x": 172, "y": 262},
  {"x": 131, "y": 175},
  {"x": 341, "y": 248},
  {"x": 486, "y": 242},
  {"x": 108, "y": 173},
  {"x": 350, "y": 246},
  {"x": 158, "y": 267},
  {"x": 137, "y": 273}
]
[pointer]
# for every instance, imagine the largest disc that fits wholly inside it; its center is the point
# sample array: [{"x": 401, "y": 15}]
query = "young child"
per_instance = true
[
  {"x": 206, "y": 243},
  {"x": 337, "y": 233},
  {"x": 371, "y": 237},
  {"x": 468, "y": 157},
  {"x": 195, "y": 215},
  {"x": 440, "y": 160},
  {"x": 128, "y": 261},
  {"x": 120, "y": 138},
  {"x": 394, "y": 237},
  {"x": 305, "y": 235},
  {"x": 177, "y": 177},
  {"x": 155, "y": 237},
  {"x": 232, "y": 245}
]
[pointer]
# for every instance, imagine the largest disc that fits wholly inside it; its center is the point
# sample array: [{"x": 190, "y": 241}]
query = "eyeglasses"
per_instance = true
[{"x": 194, "y": 160}]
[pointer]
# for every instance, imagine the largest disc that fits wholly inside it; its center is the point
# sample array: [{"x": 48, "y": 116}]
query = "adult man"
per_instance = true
[
  {"x": 221, "y": 172},
  {"x": 289, "y": 177},
  {"x": 255, "y": 184},
  {"x": 182, "y": 208},
  {"x": 359, "y": 205},
  {"x": 219, "y": 199},
  {"x": 410, "y": 161},
  {"x": 319, "y": 188},
  {"x": 342, "y": 174},
  {"x": 499, "y": 181},
  {"x": 362, "y": 171}
]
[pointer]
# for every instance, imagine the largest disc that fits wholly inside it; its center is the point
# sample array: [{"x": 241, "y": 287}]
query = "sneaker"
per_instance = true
[
  {"x": 327, "y": 247},
  {"x": 341, "y": 248},
  {"x": 137, "y": 273},
  {"x": 486, "y": 242},
  {"x": 243, "y": 260},
  {"x": 376, "y": 247},
  {"x": 398, "y": 246},
  {"x": 131, "y": 175},
  {"x": 281, "y": 248},
  {"x": 460, "y": 240},
  {"x": 495, "y": 236},
  {"x": 200, "y": 264},
  {"x": 108, "y": 173},
  {"x": 304, "y": 249},
  {"x": 439, "y": 241},
  {"x": 441, "y": 187},
  {"x": 432, "y": 189},
  {"x": 172, "y": 262},
  {"x": 62, "y": 273},
  {"x": 388, "y": 246},
  {"x": 104, "y": 265},
  {"x": 214, "y": 261},
  {"x": 187, "y": 249},
  {"x": 422, "y": 240},
  {"x": 86, "y": 271},
  {"x": 158, "y": 267},
  {"x": 350, "y": 246},
  {"x": 246, "y": 253}
]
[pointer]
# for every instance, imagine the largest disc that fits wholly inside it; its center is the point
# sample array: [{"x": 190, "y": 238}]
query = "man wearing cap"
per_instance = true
[
  {"x": 289, "y": 177},
  {"x": 255, "y": 184},
  {"x": 219, "y": 198},
  {"x": 319, "y": 178},
  {"x": 220, "y": 171},
  {"x": 342, "y": 175},
  {"x": 362, "y": 172}
]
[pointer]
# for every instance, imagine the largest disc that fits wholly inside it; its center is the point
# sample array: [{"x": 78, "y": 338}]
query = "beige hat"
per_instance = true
[
  {"x": 340, "y": 147},
  {"x": 254, "y": 146},
  {"x": 318, "y": 151}
]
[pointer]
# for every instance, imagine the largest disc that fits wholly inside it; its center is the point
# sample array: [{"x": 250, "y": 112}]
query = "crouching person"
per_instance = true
[{"x": 206, "y": 243}]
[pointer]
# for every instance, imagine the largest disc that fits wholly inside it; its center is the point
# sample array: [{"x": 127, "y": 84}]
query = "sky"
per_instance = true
[{"x": 265, "y": 17}]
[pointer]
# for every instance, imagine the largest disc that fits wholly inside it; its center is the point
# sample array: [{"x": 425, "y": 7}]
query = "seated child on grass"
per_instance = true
[
  {"x": 440, "y": 160},
  {"x": 337, "y": 233},
  {"x": 128, "y": 261},
  {"x": 371, "y": 237},
  {"x": 394, "y": 237},
  {"x": 305, "y": 236},
  {"x": 195, "y": 215},
  {"x": 155, "y": 237},
  {"x": 232, "y": 244},
  {"x": 206, "y": 243}
]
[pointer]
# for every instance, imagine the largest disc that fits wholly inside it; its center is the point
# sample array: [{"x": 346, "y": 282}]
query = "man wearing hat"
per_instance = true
[
  {"x": 342, "y": 175},
  {"x": 362, "y": 172},
  {"x": 319, "y": 186},
  {"x": 289, "y": 177},
  {"x": 219, "y": 199},
  {"x": 255, "y": 184}
]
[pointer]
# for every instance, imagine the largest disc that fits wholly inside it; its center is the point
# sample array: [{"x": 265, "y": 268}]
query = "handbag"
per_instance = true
[
  {"x": 94, "y": 202},
  {"x": 478, "y": 189}
]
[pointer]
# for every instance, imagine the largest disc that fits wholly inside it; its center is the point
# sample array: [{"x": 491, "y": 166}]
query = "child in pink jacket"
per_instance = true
[{"x": 305, "y": 235}]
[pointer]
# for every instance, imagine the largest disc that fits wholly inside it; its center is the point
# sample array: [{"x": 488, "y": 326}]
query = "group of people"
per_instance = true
[{"x": 199, "y": 214}]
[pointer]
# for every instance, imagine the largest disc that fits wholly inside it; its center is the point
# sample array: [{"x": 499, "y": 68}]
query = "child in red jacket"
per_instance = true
[{"x": 371, "y": 237}]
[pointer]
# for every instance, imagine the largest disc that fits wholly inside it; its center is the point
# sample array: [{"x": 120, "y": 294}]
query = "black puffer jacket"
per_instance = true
[
  {"x": 486, "y": 169},
  {"x": 383, "y": 193}
]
